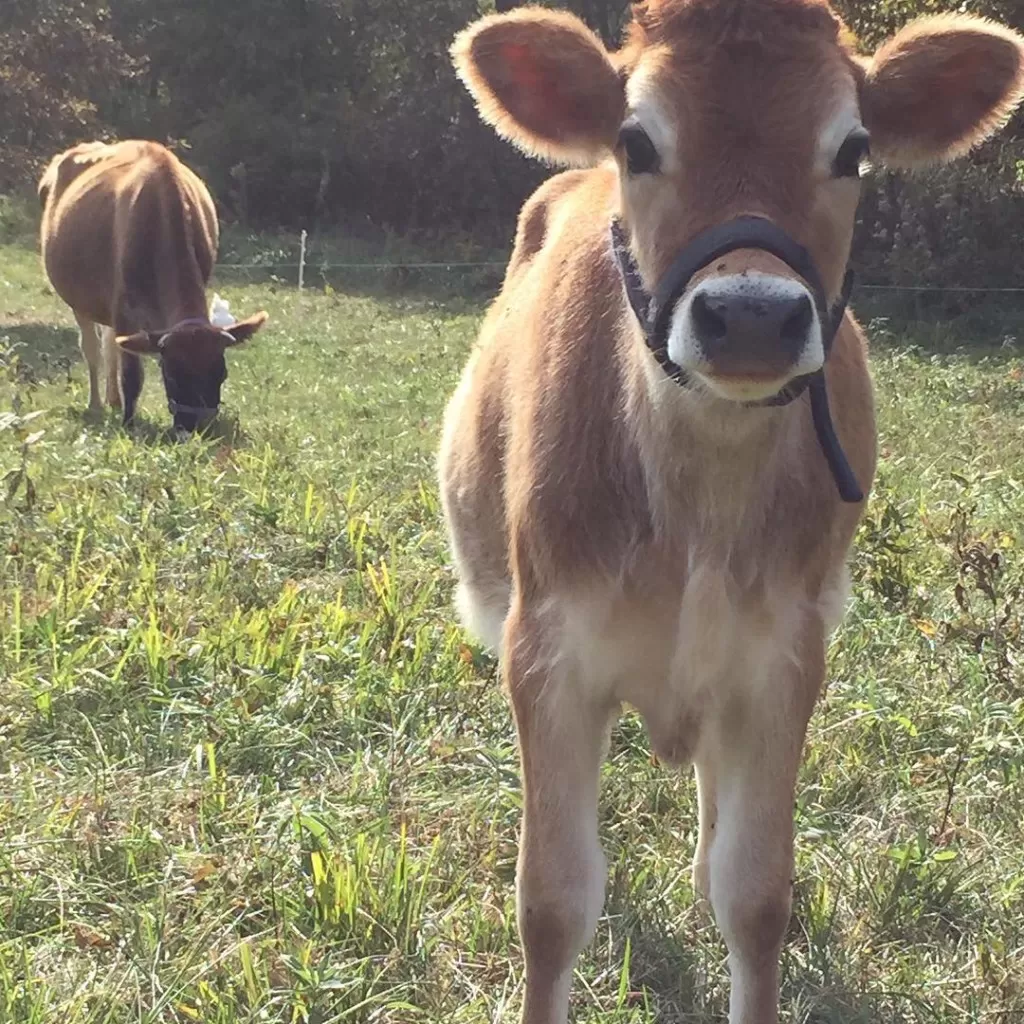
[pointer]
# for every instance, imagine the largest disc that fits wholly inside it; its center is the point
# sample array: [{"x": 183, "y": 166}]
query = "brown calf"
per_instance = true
[
  {"x": 129, "y": 238},
  {"x": 648, "y": 499}
]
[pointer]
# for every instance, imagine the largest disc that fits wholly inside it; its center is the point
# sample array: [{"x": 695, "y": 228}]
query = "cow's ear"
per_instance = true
[
  {"x": 243, "y": 330},
  {"x": 545, "y": 82},
  {"x": 939, "y": 87},
  {"x": 142, "y": 343}
]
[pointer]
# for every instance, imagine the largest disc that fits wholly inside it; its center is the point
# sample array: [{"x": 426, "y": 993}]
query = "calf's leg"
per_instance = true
[
  {"x": 707, "y": 819},
  {"x": 753, "y": 756},
  {"x": 562, "y": 731}
]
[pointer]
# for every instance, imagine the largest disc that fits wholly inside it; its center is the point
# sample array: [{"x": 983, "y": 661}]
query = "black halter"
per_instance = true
[{"x": 655, "y": 315}]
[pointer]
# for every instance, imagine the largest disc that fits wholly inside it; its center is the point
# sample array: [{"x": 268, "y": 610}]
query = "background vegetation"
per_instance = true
[{"x": 345, "y": 114}]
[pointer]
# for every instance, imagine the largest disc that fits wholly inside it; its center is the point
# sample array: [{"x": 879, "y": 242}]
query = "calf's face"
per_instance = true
[
  {"x": 193, "y": 365},
  {"x": 716, "y": 109}
]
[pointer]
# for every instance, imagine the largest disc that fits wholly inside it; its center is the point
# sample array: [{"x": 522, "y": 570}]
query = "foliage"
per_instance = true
[
  {"x": 303, "y": 113},
  {"x": 301, "y": 109},
  {"x": 252, "y": 771},
  {"x": 312, "y": 111},
  {"x": 58, "y": 64}
]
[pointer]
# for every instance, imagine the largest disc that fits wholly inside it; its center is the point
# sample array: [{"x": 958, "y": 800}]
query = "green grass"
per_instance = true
[{"x": 251, "y": 771}]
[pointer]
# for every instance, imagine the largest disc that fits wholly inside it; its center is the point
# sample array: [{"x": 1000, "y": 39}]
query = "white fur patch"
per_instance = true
[
  {"x": 685, "y": 349},
  {"x": 646, "y": 106},
  {"x": 483, "y": 612},
  {"x": 845, "y": 120},
  {"x": 724, "y": 646},
  {"x": 834, "y": 600}
]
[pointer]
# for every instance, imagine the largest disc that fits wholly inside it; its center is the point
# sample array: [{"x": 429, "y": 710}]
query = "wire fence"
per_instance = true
[
  {"x": 447, "y": 264},
  {"x": 304, "y": 268}
]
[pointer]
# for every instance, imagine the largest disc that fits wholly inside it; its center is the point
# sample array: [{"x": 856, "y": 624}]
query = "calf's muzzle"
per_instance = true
[
  {"x": 722, "y": 322},
  {"x": 737, "y": 331}
]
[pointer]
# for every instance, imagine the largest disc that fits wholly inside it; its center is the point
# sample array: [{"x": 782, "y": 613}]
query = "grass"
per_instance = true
[{"x": 251, "y": 770}]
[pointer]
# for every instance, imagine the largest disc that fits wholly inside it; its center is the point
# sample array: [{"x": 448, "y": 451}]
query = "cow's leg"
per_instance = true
[
  {"x": 753, "y": 756},
  {"x": 131, "y": 384},
  {"x": 130, "y": 373},
  {"x": 92, "y": 352},
  {"x": 112, "y": 367},
  {"x": 562, "y": 730}
]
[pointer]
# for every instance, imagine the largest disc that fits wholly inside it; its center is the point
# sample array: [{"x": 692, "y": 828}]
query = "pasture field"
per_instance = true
[{"x": 251, "y": 770}]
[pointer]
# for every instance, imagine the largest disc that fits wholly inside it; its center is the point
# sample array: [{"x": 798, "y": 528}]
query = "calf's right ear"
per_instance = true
[
  {"x": 142, "y": 343},
  {"x": 545, "y": 82},
  {"x": 939, "y": 87}
]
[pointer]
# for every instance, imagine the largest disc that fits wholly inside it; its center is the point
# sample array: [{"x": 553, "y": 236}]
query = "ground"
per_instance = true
[{"x": 252, "y": 770}]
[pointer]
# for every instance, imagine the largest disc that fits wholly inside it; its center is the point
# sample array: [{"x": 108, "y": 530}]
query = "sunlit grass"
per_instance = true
[{"x": 252, "y": 772}]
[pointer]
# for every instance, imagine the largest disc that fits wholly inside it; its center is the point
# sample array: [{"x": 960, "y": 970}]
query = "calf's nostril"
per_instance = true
[
  {"x": 798, "y": 322},
  {"x": 709, "y": 322}
]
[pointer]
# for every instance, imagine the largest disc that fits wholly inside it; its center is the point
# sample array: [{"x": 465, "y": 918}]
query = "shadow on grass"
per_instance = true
[
  {"x": 687, "y": 982},
  {"x": 812, "y": 1003},
  {"x": 224, "y": 432},
  {"x": 670, "y": 973},
  {"x": 38, "y": 353}
]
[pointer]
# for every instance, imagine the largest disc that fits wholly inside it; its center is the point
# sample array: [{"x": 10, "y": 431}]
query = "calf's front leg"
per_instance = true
[
  {"x": 747, "y": 767},
  {"x": 562, "y": 730}
]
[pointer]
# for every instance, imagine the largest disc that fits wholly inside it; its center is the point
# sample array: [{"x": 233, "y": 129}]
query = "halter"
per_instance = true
[
  {"x": 192, "y": 321},
  {"x": 199, "y": 411},
  {"x": 654, "y": 312},
  {"x": 175, "y": 407}
]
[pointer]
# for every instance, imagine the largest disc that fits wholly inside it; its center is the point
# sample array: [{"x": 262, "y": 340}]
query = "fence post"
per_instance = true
[{"x": 302, "y": 258}]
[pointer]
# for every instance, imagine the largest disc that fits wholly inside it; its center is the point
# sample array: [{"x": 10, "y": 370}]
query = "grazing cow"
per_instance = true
[
  {"x": 129, "y": 239},
  {"x": 655, "y": 461}
]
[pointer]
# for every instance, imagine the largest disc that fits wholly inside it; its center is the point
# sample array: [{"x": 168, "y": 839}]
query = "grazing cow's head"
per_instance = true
[
  {"x": 716, "y": 109},
  {"x": 192, "y": 362}
]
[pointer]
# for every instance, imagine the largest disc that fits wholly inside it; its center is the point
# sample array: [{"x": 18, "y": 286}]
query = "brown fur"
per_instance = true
[
  {"x": 129, "y": 238},
  {"x": 620, "y": 540}
]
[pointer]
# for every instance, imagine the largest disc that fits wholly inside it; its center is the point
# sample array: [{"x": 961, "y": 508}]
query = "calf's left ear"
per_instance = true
[
  {"x": 243, "y": 330},
  {"x": 545, "y": 82},
  {"x": 939, "y": 87}
]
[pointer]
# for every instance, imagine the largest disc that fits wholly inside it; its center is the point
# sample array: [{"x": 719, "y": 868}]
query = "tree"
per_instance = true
[{"x": 58, "y": 64}]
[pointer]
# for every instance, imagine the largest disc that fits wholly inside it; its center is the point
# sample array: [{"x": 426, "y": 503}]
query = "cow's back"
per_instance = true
[{"x": 120, "y": 219}]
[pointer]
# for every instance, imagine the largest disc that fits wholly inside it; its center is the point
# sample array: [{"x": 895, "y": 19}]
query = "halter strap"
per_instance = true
[
  {"x": 654, "y": 312},
  {"x": 191, "y": 410},
  {"x": 191, "y": 321}
]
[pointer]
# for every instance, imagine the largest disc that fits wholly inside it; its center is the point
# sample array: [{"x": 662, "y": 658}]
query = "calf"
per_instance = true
[
  {"x": 129, "y": 239},
  {"x": 655, "y": 461}
]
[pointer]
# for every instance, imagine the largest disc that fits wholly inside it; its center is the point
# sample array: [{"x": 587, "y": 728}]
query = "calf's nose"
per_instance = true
[{"x": 731, "y": 324}]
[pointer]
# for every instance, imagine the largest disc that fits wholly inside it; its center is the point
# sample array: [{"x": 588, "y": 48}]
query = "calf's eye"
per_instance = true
[
  {"x": 856, "y": 148},
  {"x": 641, "y": 156}
]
